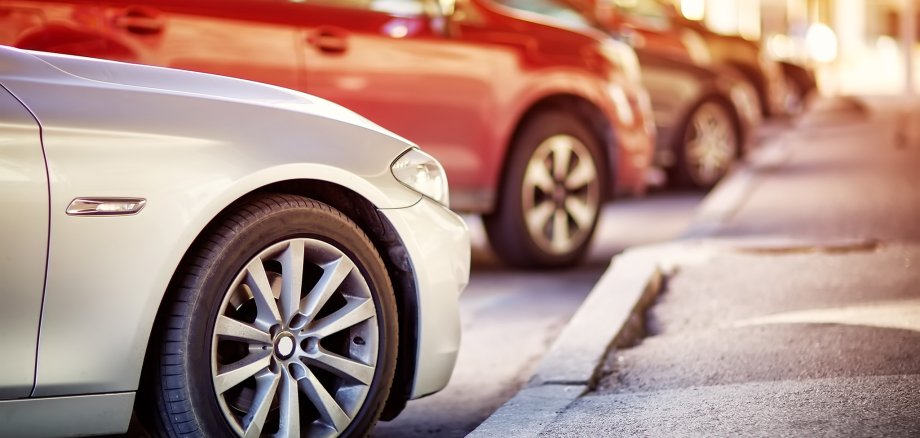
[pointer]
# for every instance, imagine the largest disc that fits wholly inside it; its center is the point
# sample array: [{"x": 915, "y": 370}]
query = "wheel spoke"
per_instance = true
[
  {"x": 334, "y": 273},
  {"x": 356, "y": 311},
  {"x": 233, "y": 374},
  {"x": 254, "y": 421},
  {"x": 560, "y": 237},
  {"x": 291, "y": 279},
  {"x": 696, "y": 149},
  {"x": 582, "y": 175},
  {"x": 267, "y": 308},
  {"x": 289, "y": 406},
  {"x": 342, "y": 366},
  {"x": 538, "y": 176},
  {"x": 330, "y": 411},
  {"x": 562, "y": 157},
  {"x": 229, "y": 328},
  {"x": 580, "y": 211},
  {"x": 538, "y": 217}
]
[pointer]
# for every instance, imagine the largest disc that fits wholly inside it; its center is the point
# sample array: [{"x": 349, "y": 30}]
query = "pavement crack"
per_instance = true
[{"x": 565, "y": 383}]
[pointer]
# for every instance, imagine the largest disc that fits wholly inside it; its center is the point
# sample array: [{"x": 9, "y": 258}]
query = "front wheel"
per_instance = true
[
  {"x": 282, "y": 323},
  {"x": 708, "y": 147},
  {"x": 551, "y": 197}
]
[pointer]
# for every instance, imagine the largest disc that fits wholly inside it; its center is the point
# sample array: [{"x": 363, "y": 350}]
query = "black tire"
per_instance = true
[
  {"x": 510, "y": 237},
  {"x": 180, "y": 384},
  {"x": 686, "y": 173}
]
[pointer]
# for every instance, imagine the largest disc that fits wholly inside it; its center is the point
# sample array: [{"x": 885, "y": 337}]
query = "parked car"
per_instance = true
[
  {"x": 750, "y": 60},
  {"x": 705, "y": 118},
  {"x": 537, "y": 125},
  {"x": 658, "y": 27},
  {"x": 209, "y": 252},
  {"x": 703, "y": 115},
  {"x": 800, "y": 84}
]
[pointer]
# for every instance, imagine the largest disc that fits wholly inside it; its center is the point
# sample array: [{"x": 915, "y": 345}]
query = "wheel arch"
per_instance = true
[
  {"x": 386, "y": 241},
  {"x": 585, "y": 109},
  {"x": 758, "y": 80}
]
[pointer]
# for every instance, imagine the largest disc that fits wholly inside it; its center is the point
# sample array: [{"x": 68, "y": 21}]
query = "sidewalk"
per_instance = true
[{"x": 798, "y": 314}]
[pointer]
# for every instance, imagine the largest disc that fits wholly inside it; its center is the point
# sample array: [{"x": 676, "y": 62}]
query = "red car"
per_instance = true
[{"x": 537, "y": 125}]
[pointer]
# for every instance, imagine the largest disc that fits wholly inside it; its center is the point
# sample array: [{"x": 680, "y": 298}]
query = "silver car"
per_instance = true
[{"x": 219, "y": 256}]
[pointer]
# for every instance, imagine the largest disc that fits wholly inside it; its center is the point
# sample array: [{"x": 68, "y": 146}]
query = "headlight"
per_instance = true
[
  {"x": 696, "y": 48},
  {"x": 623, "y": 56},
  {"x": 422, "y": 173}
]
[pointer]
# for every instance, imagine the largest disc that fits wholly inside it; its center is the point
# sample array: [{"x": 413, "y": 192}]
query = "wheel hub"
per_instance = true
[
  {"x": 284, "y": 346},
  {"x": 559, "y": 195}
]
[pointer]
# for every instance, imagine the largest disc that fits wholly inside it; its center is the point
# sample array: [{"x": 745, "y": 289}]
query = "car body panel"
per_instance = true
[
  {"x": 80, "y": 415},
  {"x": 124, "y": 141},
  {"x": 462, "y": 84},
  {"x": 447, "y": 263},
  {"x": 23, "y": 253}
]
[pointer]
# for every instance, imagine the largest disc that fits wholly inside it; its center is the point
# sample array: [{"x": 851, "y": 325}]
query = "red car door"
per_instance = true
[
  {"x": 248, "y": 39},
  {"x": 392, "y": 62}
]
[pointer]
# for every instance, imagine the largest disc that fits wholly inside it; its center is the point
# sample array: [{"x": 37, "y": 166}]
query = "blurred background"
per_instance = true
[{"x": 855, "y": 46}]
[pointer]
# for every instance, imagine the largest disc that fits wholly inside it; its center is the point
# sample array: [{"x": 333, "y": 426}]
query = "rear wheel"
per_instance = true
[
  {"x": 550, "y": 200},
  {"x": 709, "y": 146},
  {"x": 283, "y": 323}
]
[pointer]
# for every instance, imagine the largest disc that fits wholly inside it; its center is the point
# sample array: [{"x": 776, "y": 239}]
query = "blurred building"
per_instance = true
[{"x": 856, "y": 46}]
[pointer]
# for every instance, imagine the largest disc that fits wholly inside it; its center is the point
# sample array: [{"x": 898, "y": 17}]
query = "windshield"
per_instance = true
[{"x": 550, "y": 8}]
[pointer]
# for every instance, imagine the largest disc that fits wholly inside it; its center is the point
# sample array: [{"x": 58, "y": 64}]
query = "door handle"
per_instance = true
[
  {"x": 140, "y": 20},
  {"x": 329, "y": 40}
]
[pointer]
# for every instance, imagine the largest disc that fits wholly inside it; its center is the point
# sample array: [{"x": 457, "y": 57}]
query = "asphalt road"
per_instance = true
[
  {"x": 510, "y": 317},
  {"x": 795, "y": 339}
]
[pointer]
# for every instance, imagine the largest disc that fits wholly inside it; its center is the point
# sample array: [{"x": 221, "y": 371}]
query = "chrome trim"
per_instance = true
[{"x": 105, "y": 206}]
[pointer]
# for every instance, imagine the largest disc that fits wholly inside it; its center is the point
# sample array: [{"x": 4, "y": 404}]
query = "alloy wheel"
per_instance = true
[
  {"x": 561, "y": 194},
  {"x": 295, "y": 342},
  {"x": 711, "y": 145}
]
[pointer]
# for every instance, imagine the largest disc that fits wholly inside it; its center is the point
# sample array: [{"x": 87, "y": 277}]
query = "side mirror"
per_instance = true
[
  {"x": 441, "y": 15},
  {"x": 446, "y": 8}
]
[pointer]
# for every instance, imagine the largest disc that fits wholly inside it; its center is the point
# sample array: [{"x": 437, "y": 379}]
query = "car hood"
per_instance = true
[{"x": 186, "y": 82}]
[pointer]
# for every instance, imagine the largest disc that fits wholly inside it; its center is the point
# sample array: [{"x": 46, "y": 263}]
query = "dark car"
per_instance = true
[
  {"x": 748, "y": 58},
  {"x": 800, "y": 84},
  {"x": 658, "y": 27},
  {"x": 704, "y": 118},
  {"x": 703, "y": 115}
]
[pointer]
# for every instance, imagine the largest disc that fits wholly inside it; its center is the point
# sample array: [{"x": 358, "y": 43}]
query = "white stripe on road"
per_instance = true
[{"x": 904, "y": 315}]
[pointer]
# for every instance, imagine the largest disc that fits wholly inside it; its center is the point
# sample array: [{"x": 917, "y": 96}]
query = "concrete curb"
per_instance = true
[
  {"x": 612, "y": 314},
  {"x": 608, "y": 317}
]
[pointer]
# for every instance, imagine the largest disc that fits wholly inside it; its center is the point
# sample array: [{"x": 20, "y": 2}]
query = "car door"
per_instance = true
[
  {"x": 24, "y": 247},
  {"x": 247, "y": 39},
  {"x": 394, "y": 62}
]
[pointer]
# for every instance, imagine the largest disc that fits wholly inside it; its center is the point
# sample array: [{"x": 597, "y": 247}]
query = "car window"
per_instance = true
[
  {"x": 649, "y": 13},
  {"x": 550, "y": 8},
  {"x": 395, "y": 7}
]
